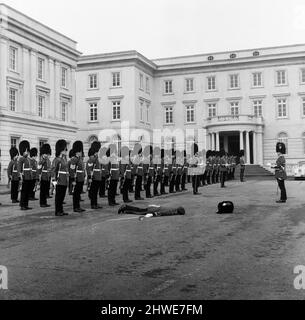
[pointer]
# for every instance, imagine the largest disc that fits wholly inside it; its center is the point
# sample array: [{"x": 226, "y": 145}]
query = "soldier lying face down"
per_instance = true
[{"x": 151, "y": 211}]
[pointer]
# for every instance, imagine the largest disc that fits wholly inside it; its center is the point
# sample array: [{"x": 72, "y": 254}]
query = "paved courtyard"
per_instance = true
[{"x": 250, "y": 254}]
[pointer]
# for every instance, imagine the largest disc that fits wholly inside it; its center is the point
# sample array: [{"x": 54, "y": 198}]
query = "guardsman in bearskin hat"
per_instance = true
[
  {"x": 13, "y": 176},
  {"x": 94, "y": 174},
  {"x": 223, "y": 168},
  {"x": 137, "y": 159},
  {"x": 114, "y": 178},
  {"x": 179, "y": 164},
  {"x": 35, "y": 176},
  {"x": 184, "y": 172},
  {"x": 104, "y": 161},
  {"x": 148, "y": 170},
  {"x": 60, "y": 176},
  {"x": 194, "y": 161},
  {"x": 173, "y": 173},
  {"x": 158, "y": 170},
  {"x": 25, "y": 173},
  {"x": 242, "y": 163},
  {"x": 125, "y": 173},
  {"x": 209, "y": 168},
  {"x": 280, "y": 171},
  {"x": 77, "y": 174},
  {"x": 44, "y": 171},
  {"x": 167, "y": 160},
  {"x": 71, "y": 155}
]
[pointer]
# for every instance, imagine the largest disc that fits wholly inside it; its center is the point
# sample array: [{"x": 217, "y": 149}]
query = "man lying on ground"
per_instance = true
[{"x": 151, "y": 211}]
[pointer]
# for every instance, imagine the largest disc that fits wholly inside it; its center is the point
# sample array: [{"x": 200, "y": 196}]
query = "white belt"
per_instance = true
[
  {"x": 151, "y": 168},
  {"x": 79, "y": 171},
  {"x": 128, "y": 170},
  {"x": 140, "y": 167},
  {"x": 96, "y": 170},
  {"x": 34, "y": 170},
  {"x": 15, "y": 171},
  {"x": 115, "y": 169},
  {"x": 63, "y": 172},
  {"x": 27, "y": 169},
  {"x": 45, "y": 171}
]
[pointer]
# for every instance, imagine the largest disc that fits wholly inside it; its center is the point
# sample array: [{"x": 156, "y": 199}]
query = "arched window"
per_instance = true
[
  {"x": 303, "y": 141},
  {"x": 283, "y": 137}
]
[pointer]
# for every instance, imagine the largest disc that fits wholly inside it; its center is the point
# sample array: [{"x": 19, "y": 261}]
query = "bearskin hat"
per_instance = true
[
  {"x": 14, "y": 152},
  {"x": 78, "y": 147},
  {"x": 45, "y": 149},
  {"x": 71, "y": 154},
  {"x": 61, "y": 145},
  {"x": 33, "y": 152},
  {"x": 225, "y": 207},
  {"x": 137, "y": 149},
  {"x": 280, "y": 147},
  {"x": 96, "y": 146},
  {"x": 208, "y": 153},
  {"x": 24, "y": 146},
  {"x": 91, "y": 152},
  {"x": 162, "y": 153},
  {"x": 181, "y": 211},
  {"x": 222, "y": 153},
  {"x": 241, "y": 153}
]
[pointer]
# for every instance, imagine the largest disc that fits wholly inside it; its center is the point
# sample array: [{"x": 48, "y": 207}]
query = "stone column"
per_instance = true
[
  {"x": 33, "y": 72},
  {"x": 27, "y": 93},
  {"x": 51, "y": 112},
  {"x": 241, "y": 140},
  {"x": 57, "y": 87},
  {"x": 213, "y": 141},
  {"x": 217, "y": 141},
  {"x": 73, "y": 93},
  {"x": 254, "y": 148},
  {"x": 3, "y": 72},
  {"x": 260, "y": 148},
  {"x": 248, "y": 147},
  {"x": 208, "y": 141}
]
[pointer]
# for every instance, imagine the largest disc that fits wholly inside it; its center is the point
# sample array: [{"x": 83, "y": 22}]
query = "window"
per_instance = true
[
  {"x": 303, "y": 107},
  {"x": 257, "y": 79},
  {"x": 302, "y": 75},
  {"x": 281, "y": 77},
  {"x": 234, "y": 108},
  {"x": 147, "y": 113},
  {"x": 141, "y": 112},
  {"x": 147, "y": 85},
  {"x": 169, "y": 119},
  {"x": 13, "y": 58},
  {"x": 93, "y": 111},
  {"x": 168, "y": 86},
  {"x": 12, "y": 99},
  {"x": 64, "y": 107},
  {"x": 116, "y": 79},
  {"x": 41, "y": 106},
  {"x": 234, "y": 81},
  {"x": 64, "y": 73},
  {"x": 42, "y": 142},
  {"x": 212, "y": 110},
  {"x": 93, "y": 81},
  {"x": 41, "y": 69},
  {"x": 258, "y": 108},
  {"x": 283, "y": 137},
  {"x": 303, "y": 139},
  {"x": 14, "y": 142},
  {"x": 211, "y": 83},
  {"x": 189, "y": 85},
  {"x": 282, "y": 108},
  {"x": 141, "y": 81},
  {"x": 190, "y": 114},
  {"x": 116, "y": 110}
]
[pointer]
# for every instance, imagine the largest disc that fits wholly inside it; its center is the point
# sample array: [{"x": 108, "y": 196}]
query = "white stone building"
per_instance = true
[{"x": 37, "y": 84}]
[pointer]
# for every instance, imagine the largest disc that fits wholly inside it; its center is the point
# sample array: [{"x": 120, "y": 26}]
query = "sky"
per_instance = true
[{"x": 169, "y": 28}]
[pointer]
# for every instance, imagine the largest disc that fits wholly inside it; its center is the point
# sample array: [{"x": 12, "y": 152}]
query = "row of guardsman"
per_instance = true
[{"x": 107, "y": 169}]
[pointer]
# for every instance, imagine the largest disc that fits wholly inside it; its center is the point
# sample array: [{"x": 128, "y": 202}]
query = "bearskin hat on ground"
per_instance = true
[
  {"x": 24, "y": 146},
  {"x": 33, "y": 152},
  {"x": 13, "y": 152},
  {"x": 181, "y": 211},
  {"x": 61, "y": 145},
  {"x": 78, "y": 147},
  {"x": 280, "y": 147},
  {"x": 96, "y": 146},
  {"x": 45, "y": 149},
  {"x": 225, "y": 207}
]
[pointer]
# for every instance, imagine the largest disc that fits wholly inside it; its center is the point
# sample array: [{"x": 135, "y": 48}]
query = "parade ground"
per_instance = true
[{"x": 250, "y": 254}]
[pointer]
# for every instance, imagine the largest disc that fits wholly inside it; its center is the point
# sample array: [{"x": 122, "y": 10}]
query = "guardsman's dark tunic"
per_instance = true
[
  {"x": 14, "y": 177},
  {"x": 24, "y": 169}
]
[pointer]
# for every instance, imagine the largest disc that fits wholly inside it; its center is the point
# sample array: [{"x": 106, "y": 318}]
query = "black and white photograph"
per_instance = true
[{"x": 152, "y": 151}]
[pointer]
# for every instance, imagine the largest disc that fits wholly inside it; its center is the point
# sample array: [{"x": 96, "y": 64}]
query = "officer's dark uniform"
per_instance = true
[
  {"x": 139, "y": 179},
  {"x": 13, "y": 175},
  {"x": 44, "y": 172},
  {"x": 280, "y": 171},
  {"x": 184, "y": 175},
  {"x": 173, "y": 177},
  {"x": 114, "y": 170},
  {"x": 223, "y": 169},
  {"x": 35, "y": 176}
]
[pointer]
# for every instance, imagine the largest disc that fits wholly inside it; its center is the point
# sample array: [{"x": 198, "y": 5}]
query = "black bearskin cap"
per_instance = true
[
  {"x": 60, "y": 146},
  {"x": 23, "y": 146},
  {"x": 194, "y": 148},
  {"x": 225, "y": 207},
  {"x": 280, "y": 147},
  {"x": 13, "y": 152},
  {"x": 181, "y": 211},
  {"x": 45, "y": 149},
  {"x": 71, "y": 154},
  {"x": 241, "y": 153},
  {"x": 33, "y": 152},
  {"x": 78, "y": 147},
  {"x": 222, "y": 153},
  {"x": 96, "y": 146},
  {"x": 91, "y": 152},
  {"x": 208, "y": 153}
]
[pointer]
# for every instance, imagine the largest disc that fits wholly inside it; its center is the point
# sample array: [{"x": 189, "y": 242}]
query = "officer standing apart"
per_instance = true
[
  {"x": 280, "y": 171},
  {"x": 44, "y": 169}
]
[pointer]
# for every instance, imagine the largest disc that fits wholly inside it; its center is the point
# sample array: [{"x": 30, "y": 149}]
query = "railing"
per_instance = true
[{"x": 235, "y": 118}]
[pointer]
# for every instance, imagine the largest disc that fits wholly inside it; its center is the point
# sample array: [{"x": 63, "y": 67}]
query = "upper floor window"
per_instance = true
[
  {"x": 93, "y": 111},
  {"x": 41, "y": 69},
  {"x": 302, "y": 76},
  {"x": 147, "y": 85},
  {"x": 116, "y": 79},
  {"x": 93, "y": 81},
  {"x": 41, "y": 106},
  {"x": 168, "y": 86},
  {"x": 13, "y": 99},
  {"x": 282, "y": 108},
  {"x": 258, "y": 108},
  {"x": 234, "y": 81},
  {"x": 234, "y": 106},
  {"x": 141, "y": 111},
  {"x": 211, "y": 83},
  {"x": 42, "y": 142},
  {"x": 116, "y": 110},
  {"x": 257, "y": 79},
  {"x": 283, "y": 137},
  {"x": 14, "y": 142},
  {"x": 212, "y": 110},
  {"x": 189, "y": 85},
  {"x": 281, "y": 78},
  {"x": 13, "y": 58},
  {"x": 303, "y": 106},
  {"x": 141, "y": 81},
  {"x": 147, "y": 113},
  {"x": 64, "y": 77},
  {"x": 169, "y": 115},
  {"x": 190, "y": 114},
  {"x": 64, "y": 111}
]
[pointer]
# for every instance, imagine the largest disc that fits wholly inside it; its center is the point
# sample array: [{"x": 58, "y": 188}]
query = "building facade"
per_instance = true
[{"x": 37, "y": 84}]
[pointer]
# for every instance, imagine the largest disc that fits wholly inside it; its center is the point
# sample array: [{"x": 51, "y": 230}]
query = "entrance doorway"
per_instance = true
[{"x": 229, "y": 141}]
